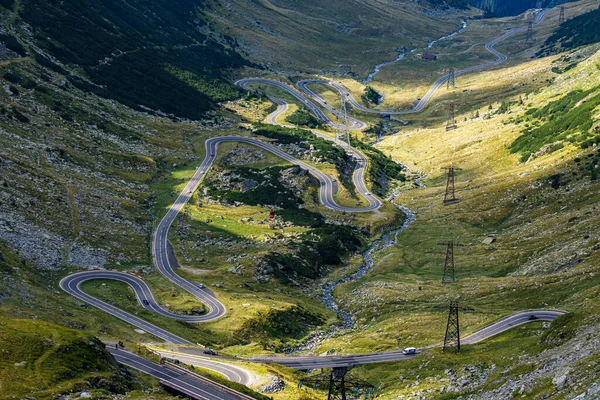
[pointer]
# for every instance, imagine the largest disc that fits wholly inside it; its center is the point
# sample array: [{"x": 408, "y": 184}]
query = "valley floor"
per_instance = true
[{"x": 85, "y": 181}]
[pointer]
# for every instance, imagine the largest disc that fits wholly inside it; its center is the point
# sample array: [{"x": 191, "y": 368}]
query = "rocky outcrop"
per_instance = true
[
  {"x": 295, "y": 178},
  {"x": 275, "y": 385},
  {"x": 228, "y": 180},
  {"x": 243, "y": 155}
]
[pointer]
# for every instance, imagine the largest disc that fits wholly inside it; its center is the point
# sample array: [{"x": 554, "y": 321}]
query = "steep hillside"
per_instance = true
[
  {"x": 44, "y": 360},
  {"x": 526, "y": 226},
  {"x": 344, "y": 37},
  {"x": 146, "y": 54},
  {"x": 579, "y": 31},
  {"x": 512, "y": 7},
  {"x": 105, "y": 107}
]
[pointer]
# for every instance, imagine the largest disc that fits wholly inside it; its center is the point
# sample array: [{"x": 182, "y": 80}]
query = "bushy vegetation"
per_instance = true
[
  {"x": 506, "y": 105},
  {"x": 371, "y": 95},
  {"x": 13, "y": 44},
  {"x": 45, "y": 360},
  {"x": 564, "y": 64},
  {"x": 579, "y": 31},
  {"x": 568, "y": 119},
  {"x": 271, "y": 193},
  {"x": 445, "y": 4},
  {"x": 303, "y": 118},
  {"x": 275, "y": 326},
  {"x": 320, "y": 247},
  {"x": 174, "y": 68},
  {"x": 70, "y": 110},
  {"x": 20, "y": 79},
  {"x": 145, "y": 79},
  {"x": 381, "y": 169},
  {"x": 323, "y": 245},
  {"x": 322, "y": 148}
]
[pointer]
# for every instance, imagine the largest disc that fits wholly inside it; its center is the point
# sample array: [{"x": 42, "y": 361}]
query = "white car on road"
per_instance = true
[{"x": 409, "y": 350}]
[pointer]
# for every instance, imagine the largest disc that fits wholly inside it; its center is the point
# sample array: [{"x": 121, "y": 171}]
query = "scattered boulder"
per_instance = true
[
  {"x": 488, "y": 240},
  {"x": 238, "y": 269},
  {"x": 243, "y": 156},
  {"x": 275, "y": 385}
]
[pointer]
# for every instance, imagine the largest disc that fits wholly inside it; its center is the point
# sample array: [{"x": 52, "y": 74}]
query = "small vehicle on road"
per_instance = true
[
  {"x": 533, "y": 317},
  {"x": 212, "y": 154},
  {"x": 409, "y": 350},
  {"x": 146, "y": 302},
  {"x": 210, "y": 352}
]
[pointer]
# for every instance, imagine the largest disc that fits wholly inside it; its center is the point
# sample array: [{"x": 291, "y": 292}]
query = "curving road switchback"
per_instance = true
[
  {"x": 166, "y": 263},
  {"x": 303, "y": 84}
]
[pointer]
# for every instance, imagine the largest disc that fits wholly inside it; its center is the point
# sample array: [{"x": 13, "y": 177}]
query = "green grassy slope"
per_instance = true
[
  {"x": 541, "y": 215},
  {"x": 43, "y": 360},
  {"x": 143, "y": 54},
  {"x": 337, "y": 35},
  {"x": 511, "y": 7},
  {"x": 579, "y": 31}
]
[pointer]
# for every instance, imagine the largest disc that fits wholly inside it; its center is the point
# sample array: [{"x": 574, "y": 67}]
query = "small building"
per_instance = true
[{"x": 429, "y": 57}]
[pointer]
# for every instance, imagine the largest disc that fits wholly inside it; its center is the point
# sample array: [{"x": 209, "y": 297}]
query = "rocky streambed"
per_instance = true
[{"x": 387, "y": 240}]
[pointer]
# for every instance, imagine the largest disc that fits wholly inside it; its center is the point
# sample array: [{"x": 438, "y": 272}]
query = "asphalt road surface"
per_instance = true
[
  {"x": 316, "y": 110},
  {"x": 358, "y": 177},
  {"x": 303, "y": 85},
  {"x": 198, "y": 388},
  {"x": 313, "y": 362},
  {"x": 167, "y": 264}
]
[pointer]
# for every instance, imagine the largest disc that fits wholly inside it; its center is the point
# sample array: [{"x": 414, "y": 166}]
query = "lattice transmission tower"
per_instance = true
[
  {"x": 450, "y": 195},
  {"x": 451, "y": 122},
  {"x": 452, "y": 336},
  {"x": 344, "y": 130},
  {"x": 561, "y": 16},
  {"x": 448, "y": 276},
  {"x": 450, "y": 81},
  {"x": 340, "y": 385},
  {"x": 529, "y": 38}
]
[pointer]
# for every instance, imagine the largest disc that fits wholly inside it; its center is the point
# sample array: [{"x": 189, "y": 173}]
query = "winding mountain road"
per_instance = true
[
  {"x": 501, "y": 58},
  {"x": 313, "y": 362},
  {"x": 166, "y": 263},
  {"x": 316, "y": 110},
  {"x": 179, "y": 379}
]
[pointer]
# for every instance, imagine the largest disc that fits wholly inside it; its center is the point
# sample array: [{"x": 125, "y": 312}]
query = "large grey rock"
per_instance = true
[{"x": 275, "y": 385}]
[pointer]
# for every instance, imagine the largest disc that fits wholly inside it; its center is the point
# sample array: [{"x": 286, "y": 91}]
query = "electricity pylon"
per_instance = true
[
  {"x": 448, "y": 276},
  {"x": 561, "y": 16},
  {"x": 450, "y": 81},
  {"x": 340, "y": 385},
  {"x": 345, "y": 128},
  {"x": 449, "y": 196},
  {"x": 529, "y": 38},
  {"x": 452, "y": 336},
  {"x": 451, "y": 122}
]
